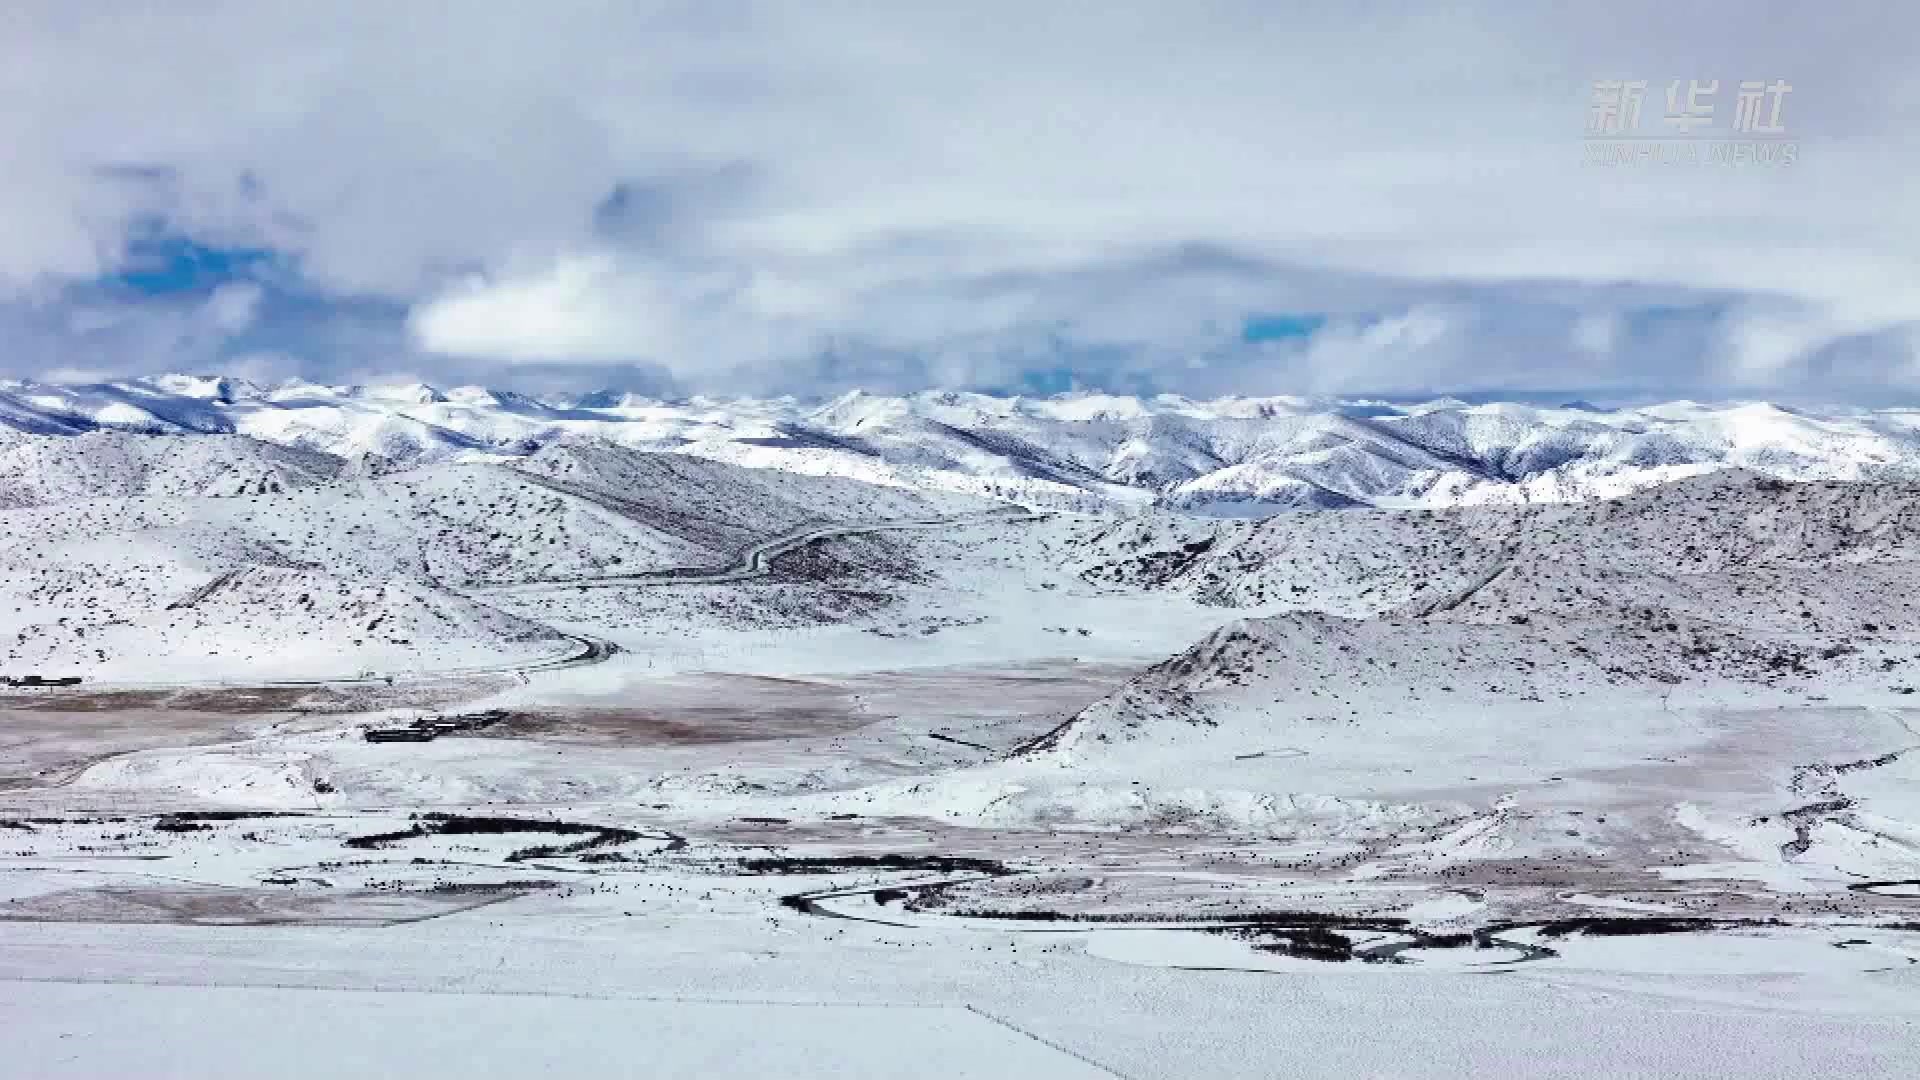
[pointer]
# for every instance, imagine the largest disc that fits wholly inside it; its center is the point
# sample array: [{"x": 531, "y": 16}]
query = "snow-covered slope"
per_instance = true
[
  {"x": 1376, "y": 561},
  {"x": 1243, "y": 457},
  {"x": 313, "y": 568},
  {"x": 1715, "y": 674},
  {"x": 261, "y": 623},
  {"x": 1404, "y": 660},
  {"x": 101, "y": 464}
]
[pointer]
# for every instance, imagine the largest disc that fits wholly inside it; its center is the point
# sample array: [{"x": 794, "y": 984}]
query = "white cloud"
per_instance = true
[
  {"x": 967, "y": 179},
  {"x": 573, "y": 311},
  {"x": 232, "y": 307},
  {"x": 598, "y": 307}
]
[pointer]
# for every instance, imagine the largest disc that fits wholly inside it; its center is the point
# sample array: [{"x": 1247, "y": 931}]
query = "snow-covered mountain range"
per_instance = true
[
  {"x": 1710, "y": 671},
  {"x": 1227, "y": 457}
]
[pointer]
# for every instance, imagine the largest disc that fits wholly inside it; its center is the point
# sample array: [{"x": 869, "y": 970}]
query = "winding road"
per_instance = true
[{"x": 755, "y": 561}]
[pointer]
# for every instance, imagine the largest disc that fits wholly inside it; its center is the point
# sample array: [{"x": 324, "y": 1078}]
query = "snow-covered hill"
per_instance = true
[
  {"x": 262, "y": 623},
  {"x": 1231, "y": 457},
  {"x": 1422, "y": 662},
  {"x": 103, "y": 464},
  {"x": 1458, "y": 560},
  {"x": 116, "y": 563}
]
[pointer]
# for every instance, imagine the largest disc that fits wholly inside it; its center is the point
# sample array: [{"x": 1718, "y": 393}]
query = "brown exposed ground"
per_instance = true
[
  {"x": 48, "y": 736},
  {"x": 994, "y": 708}
]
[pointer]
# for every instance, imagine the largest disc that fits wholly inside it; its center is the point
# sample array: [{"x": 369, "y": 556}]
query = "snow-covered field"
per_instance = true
[{"x": 752, "y": 771}]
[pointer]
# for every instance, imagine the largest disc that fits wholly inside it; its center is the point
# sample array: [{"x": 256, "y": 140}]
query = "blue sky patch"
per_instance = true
[
  {"x": 168, "y": 264},
  {"x": 1281, "y": 327}
]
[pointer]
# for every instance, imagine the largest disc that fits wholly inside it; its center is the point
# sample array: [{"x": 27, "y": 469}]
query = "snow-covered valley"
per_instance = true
[{"x": 1006, "y": 728}]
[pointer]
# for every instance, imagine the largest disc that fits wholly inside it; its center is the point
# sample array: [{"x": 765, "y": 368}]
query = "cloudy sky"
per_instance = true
[{"x": 735, "y": 197}]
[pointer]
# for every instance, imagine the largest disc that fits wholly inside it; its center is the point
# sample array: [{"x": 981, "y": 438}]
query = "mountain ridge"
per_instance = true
[{"x": 1227, "y": 457}]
